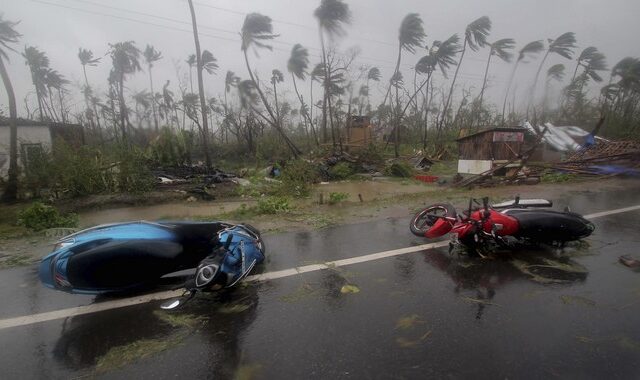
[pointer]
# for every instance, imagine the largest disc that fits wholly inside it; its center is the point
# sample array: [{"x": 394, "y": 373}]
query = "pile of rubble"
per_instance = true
[{"x": 609, "y": 158}]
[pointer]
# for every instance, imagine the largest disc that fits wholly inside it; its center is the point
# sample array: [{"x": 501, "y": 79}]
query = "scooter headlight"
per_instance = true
[{"x": 206, "y": 274}]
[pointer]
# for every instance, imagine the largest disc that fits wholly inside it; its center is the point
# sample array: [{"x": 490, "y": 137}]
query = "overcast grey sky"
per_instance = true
[{"x": 60, "y": 27}]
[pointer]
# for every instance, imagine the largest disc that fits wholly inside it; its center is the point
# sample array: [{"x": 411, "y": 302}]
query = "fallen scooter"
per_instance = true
[
  {"x": 482, "y": 228},
  {"x": 123, "y": 257}
]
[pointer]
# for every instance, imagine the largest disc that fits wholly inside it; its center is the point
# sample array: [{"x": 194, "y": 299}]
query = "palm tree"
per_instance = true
[
  {"x": 555, "y": 73},
  {"x": 191, "y": 61},
  {"x": 276, "y": 77},
  {"x": 592, "y": 61},
  {"x": 9, "y": 36},
  {"x": 297, "y": 67},
  {"x": 230, "y": 81},
  {"x": 441, "y": 56},
  {"x": 528, "y": 50},
  {"x": 372, "y": 75},
  {"x": 475, "y": 37},
  {"x": 152, "y": 55},
  {"x": 54, "y": 80},
  {"x": 86, "y": 59},
  {"x": 410, "y": 36},
  {"x": 500, "y": 49},
  {"x": 209, "y": 62},
  {"x": 332, "y": 15},
  {"x": 256, "y": 31},
  {"x": 142, "y": 99},
  {"x": 38, "y": 62},
  {"x": 563, "y": 46},
  {"x": 125, "y": 58},
  {"x": 211, "y": 65}
]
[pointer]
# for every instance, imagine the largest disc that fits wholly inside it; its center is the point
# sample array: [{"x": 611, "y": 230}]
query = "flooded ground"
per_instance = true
[{"x": 529, "y": 313}]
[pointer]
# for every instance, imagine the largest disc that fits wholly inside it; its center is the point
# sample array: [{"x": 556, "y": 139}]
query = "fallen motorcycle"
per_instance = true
[
  {"x": 122, "y": 257},
  {"x": 480, "y": 229}
]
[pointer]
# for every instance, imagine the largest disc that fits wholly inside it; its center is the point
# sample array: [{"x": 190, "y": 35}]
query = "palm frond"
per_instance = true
[
  {"x": 276, "y": 76},
  {"x": 125, "y": 57},
  {"x": 151, "y": 55},
  {"x": 318, "y": 72},
  {"x": 230, "y": 80},
  {"x": 255, "y": 29},
  {"x": 556, "y": 72},
  {"x": 374, "y": 74},
  {"x": 8, "y": 36},
  {"x": 332, "y": 15},
  {"x": 191, "y": 60},
  {"x": 298, "y": 61},
  {"x": 477, "y": 32},
  {"x": 86, "y": 57},
  {"x": 411, "y": 32},
  {"x": 563, "y": 45},
  {"x": 247, "y": 92},
  {"x": 501, "y": 49},
  {"x": 209, "y": 62},
  {"x": 530, "y": 49}
]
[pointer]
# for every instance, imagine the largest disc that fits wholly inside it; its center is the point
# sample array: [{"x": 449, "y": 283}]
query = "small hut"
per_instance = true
[
  {"x": 484, "y": 150},
  {"x": 359, "y": 132}
]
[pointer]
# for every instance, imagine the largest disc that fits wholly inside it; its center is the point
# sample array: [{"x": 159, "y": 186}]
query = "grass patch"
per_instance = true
[
  {"x": 16, "y": 261},
  {"x": 337, "y": 197},
  {"x": 180, "y": 320},
  {"x": 555, "y": 177}
]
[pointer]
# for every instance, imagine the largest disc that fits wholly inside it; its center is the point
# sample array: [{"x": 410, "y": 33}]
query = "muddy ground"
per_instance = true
[{"x": 381, "y": 198}]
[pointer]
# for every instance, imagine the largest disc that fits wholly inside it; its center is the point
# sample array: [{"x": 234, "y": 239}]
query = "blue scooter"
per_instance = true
[{"x": 122, "y": 257}]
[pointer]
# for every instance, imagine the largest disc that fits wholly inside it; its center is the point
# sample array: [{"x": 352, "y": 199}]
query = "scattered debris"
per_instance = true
[
  {"x": 409, "y": 321},
  {"x": 629, "y": 261},
  {"x": 346, "y": 289}
]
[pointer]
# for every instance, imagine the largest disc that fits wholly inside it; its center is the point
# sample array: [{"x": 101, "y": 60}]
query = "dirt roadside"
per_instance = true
[{"x": 308, "y": 214}]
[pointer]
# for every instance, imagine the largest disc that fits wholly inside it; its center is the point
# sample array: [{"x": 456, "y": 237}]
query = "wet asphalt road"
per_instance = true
[{"x": 530, "y": 314}]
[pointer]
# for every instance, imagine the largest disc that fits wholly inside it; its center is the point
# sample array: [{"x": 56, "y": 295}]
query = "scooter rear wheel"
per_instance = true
[{"x": 424, "y": 220}]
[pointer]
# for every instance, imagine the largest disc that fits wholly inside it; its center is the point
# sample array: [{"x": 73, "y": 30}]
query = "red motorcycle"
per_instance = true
[{"x": 480, "y": 228}]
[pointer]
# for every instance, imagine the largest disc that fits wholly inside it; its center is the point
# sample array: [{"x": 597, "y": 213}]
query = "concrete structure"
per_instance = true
[{"x": 34, "y": 135}]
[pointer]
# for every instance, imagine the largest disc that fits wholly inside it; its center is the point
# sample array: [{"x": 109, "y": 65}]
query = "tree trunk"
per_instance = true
[
  {"x": 532, "y": 95},
  {"x": 453, "y": 83},
  {"x": 484, "y": 85},
  {"x": 123, "y": 108},
  {"x": 506, "y": 95},
  {"x": 153, "y": 102},
  {"x": 203, "y": 102},
  {"x": 11, "y": 190},
  {"x": 274, "y": 122},
  {"x": 327, "y": 93}
]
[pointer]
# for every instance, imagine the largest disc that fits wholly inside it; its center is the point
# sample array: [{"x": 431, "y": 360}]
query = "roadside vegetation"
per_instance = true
[{"x": 253, "y": 121}]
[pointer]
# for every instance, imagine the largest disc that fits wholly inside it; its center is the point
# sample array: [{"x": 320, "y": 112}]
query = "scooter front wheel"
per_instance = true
[{"x": 431, "y": 222}]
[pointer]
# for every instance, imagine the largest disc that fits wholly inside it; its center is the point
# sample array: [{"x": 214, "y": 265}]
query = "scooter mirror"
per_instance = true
[{"x": 171, "y": 304}]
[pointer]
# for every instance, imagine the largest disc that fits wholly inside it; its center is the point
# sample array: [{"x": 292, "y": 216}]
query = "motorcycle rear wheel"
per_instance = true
[{"x": 424, "y": 220}]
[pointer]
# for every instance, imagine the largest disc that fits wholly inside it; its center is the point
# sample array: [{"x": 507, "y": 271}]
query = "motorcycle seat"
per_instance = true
[{"x": 548, "y": 225}]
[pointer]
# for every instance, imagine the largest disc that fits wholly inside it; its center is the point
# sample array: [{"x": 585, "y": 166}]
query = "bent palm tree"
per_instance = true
[
  {"x": 332, "y": 16},
  {"x": 297, "y": 67},
  {"x": 527, "y": 50},
  {"x": 500, "y": 49},
  {"x": 38, "y": 63},
  {"x": 555, "y": 73},
  {"x": 256, "y": 31},
  {"x": 86, "y": 59},
  {"x": 125, "y": 58},
  {"x": 475, "y": 37},
  {"x": 563, "y": 46},
  {"x": 9, "y": 36},
  {"x": 410, "y": 36},
  {"x": 152, "y": 55},
  {"x": 191, "y": 61}
]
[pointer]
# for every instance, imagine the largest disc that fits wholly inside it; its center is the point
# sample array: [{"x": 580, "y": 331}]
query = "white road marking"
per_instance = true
[{"x": 115, "y": 304}]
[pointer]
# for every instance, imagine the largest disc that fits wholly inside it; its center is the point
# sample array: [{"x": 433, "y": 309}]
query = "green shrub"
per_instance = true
[
  {"x": 39, "y": 216},
  {"x": 341, "y": 170},
  {"x": 297, "y": 177},
  {"x": 372, "y": 154},
  {"x": 273, "y": 205},
  {"x": 399, "y": 169},
  {"x": 337, "y": 197}
]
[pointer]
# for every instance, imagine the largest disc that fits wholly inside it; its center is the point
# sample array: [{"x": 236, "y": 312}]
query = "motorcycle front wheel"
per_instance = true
[{"x": 429, "y": 220}]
